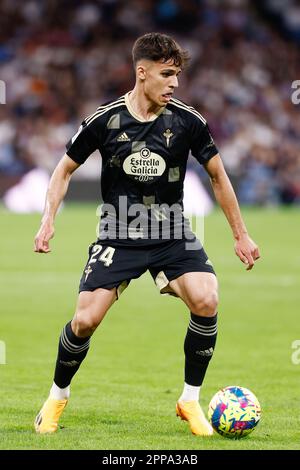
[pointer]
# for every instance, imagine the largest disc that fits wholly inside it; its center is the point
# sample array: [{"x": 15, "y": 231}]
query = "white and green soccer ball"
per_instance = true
[{"x": 234, "y": 412}]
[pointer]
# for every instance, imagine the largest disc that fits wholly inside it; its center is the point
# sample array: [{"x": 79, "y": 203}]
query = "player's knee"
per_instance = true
[
  {"x": 205, "y": 305},
  {"x": 84, "y": 324}
]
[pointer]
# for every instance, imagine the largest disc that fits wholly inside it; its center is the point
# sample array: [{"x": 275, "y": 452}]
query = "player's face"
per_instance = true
[{"x": 160, "y": 80}]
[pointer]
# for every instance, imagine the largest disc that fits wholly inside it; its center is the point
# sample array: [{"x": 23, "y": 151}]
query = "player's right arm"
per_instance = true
[
  {"x": 57, "y": 189},
  {"x": 79, "y": 148}
]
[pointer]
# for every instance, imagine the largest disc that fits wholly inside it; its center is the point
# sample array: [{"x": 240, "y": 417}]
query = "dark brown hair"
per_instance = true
[{"x": 156, "y": 46}]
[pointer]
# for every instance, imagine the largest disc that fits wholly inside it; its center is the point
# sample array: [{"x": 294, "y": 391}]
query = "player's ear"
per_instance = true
[{"x": 141, "y": 71}]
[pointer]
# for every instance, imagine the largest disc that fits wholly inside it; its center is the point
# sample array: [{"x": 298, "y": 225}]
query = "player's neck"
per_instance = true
[{"x": 141, "y": 105}]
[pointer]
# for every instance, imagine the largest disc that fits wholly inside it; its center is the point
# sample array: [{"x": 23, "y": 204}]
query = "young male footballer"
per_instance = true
[{"x": 144, "y": 138}]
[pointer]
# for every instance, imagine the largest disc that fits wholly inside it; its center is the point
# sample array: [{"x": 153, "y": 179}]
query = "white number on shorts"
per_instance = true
[
  {"x": 106, "y": 257},
  {"x": 96, "y": 251}
]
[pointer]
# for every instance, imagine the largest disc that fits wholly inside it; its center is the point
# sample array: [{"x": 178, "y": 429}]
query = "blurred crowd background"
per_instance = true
[{"x": 61, "y": 59}]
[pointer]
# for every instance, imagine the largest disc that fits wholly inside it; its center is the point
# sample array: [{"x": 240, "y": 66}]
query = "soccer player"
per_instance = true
[{"x": 144, "y": 138}]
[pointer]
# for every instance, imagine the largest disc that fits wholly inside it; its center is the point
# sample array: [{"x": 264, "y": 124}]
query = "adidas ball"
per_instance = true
[{"x": 234, "y": 412}]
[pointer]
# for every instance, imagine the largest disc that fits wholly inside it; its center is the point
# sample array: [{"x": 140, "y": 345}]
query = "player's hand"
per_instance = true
[
  {"x": 44, "y": 235},
  {"x": 247, "y": 250}
]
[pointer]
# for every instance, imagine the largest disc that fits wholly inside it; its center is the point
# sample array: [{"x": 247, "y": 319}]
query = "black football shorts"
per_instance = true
[{"x": 114, "y": 265}]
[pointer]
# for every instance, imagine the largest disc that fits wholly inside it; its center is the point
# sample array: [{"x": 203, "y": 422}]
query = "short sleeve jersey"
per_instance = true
[{"x": 143, "y": 162}]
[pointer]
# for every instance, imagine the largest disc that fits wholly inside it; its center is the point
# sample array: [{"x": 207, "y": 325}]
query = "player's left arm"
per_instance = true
[{"x": 245, "y": 248}]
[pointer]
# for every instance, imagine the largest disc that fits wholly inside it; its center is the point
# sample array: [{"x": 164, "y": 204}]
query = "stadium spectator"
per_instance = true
[{"x": 53, "y": 54}]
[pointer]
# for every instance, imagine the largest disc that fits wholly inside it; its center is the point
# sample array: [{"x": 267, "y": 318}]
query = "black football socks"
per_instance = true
[
  {"x": 71, "y": 352},
  {"x": 199, "y": 346}
]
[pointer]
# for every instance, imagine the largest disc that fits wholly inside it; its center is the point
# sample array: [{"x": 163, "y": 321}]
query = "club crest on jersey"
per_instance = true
[
  {"x": 168, "y": 134},
  {"x": 144, "y": 165}
]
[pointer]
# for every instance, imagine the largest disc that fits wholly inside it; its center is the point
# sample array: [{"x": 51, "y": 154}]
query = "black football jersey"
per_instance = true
[{"x": 143, "y": 163}]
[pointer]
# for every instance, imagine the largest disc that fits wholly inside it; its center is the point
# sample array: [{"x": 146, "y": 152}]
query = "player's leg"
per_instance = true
[
  {"x": 72, "y": 349},
  {"x": 75, "y": 337},
  {"x": 199, "y": 291}
]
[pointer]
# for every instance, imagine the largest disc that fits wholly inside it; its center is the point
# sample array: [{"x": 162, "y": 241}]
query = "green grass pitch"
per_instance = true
[{"x": 125, "y": 392}]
